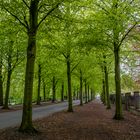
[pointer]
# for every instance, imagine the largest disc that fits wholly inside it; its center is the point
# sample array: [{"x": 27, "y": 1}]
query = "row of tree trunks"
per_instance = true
[{"x": 89, "y": 96}]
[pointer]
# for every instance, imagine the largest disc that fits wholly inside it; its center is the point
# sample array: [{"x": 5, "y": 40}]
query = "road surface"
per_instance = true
[{"x": 11, "y": 119}]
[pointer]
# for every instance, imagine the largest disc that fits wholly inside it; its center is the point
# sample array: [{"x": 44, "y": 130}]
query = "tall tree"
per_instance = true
[
  {"x": 31, "y": 24},
  {"x": 106, "y": 82},
  {"x": 119, "y": 21}
]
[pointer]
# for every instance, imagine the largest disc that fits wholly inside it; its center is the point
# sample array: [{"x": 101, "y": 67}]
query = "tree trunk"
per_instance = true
[
  {"x": 104, "y": 93},
  {"x": 77, "y": 95},
  {"x": 74, "y": 94},
  {"x": 81, "y": 88},
  {"x": 62, "y": 92},
  {"x": 70, "y": 107},
  {"x": 91, "y": 94},
  {"x": 1, "y": 84},
  {"x": 39, "y": 85},
  {"x": 53, "y": 90},
  {"x": 9, "y": 73},
  {"x": 26, "y": 124},
  {"x": 86, "y": 96},
  {"x": 44, "y": 89},
  {"x": 118, "y": 111},
  {"x": 7, "y": 90},
  {"x": 107, "y": 87},
  {"x": 66, "y": 97}
]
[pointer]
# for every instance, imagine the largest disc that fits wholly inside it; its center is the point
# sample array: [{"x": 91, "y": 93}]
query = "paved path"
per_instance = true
[{"x": 9, "y": 119}]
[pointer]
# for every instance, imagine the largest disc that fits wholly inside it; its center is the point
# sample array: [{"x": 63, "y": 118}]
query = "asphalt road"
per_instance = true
[{"x": 11, "y": 119}]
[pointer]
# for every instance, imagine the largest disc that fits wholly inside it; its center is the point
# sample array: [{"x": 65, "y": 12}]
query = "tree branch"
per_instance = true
[
  {"x": 107, "y": 12},
  {"x": 17, "y": 63},
  {"x": 48, "y": 13},
  {"x": 15, "y": 17},
  {"x": 26, "y": 4},
  {"x": 26, "y": 22},
  {"x": 75, "y": 67},
  {"x": 126, "y": 34},
  {"x": 61, "y": 52},
  {"x": 41, "y": 6}
]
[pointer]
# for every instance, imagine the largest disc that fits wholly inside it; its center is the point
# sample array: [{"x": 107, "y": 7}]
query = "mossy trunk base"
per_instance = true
[
  {"x": 118, "y": 117},
  {"x": 70, "y": 110},
  {"x": 28, "y": 130}
]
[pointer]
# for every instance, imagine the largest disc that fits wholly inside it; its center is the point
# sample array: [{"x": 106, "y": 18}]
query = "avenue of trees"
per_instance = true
[{"x": 67, "y": 49}]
